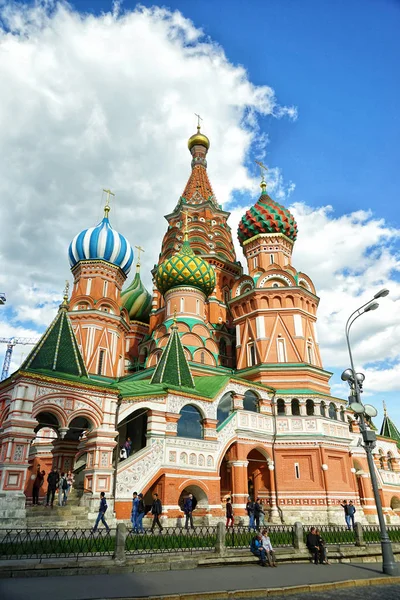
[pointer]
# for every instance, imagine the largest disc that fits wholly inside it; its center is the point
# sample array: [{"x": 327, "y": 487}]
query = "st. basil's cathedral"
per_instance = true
[{"x": 215, "y": 376}]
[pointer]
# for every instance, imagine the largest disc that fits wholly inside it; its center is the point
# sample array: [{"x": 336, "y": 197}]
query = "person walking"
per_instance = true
[
  {"x": 156, "y": 510},
  {"x": 62, "y": 490},
  {"x": 52, "y": 484},
  {"x": 256, "y": 548},
  {"x": 229, "y": 513},
  {"x": 257, "y": 513},
  {"x": 312, "y": 545},
  {"x": 250, "y": 512},
  {"x": 345, "y": 507},
  {"x": 188, "y": 510},
  {"x": 134, "y": 513},
  {"x": 141, "y": 509},
  {"x": 37, "y": 484},
  {"x": 351, "y": 511},
  {"x": 102, "y": 511},
  {"x": 269, "y": 551}
]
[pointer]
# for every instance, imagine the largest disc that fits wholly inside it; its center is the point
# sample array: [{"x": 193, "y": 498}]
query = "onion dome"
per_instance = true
[
  {"x": 101, "y": 243},
  {"x": 198, "y": 139},
  {"x": 137, "y": 300},
  {"x": 185, "y": 268},
  {"x": 267, "y": 216}
]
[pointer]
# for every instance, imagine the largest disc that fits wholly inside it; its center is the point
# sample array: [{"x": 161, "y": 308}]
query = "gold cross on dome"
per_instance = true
[
  {"x": 107, "y": 206},
  {"x": 139, "y": 249},
  {"x": 263, "y": 169},
  {"x": 185, "y": 230},
  {"x": 199, "y": 118},
  {"x": 66, "y": 292}
]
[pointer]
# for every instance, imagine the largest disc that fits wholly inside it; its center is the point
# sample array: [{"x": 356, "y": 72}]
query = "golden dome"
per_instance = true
[{"x": 198, "y": 139}]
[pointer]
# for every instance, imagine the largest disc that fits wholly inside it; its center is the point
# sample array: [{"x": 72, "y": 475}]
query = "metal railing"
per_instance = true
[
  {"x": 282, "y": 536},
  {"x": 171, "y": 540},
  {"x": 333, "y": 534},
  {"x": 59, "y": 543},
  {"x": 372, "y": 534}
]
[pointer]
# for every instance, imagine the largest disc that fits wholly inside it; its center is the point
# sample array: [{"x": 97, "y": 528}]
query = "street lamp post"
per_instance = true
[{"x": 355, "y": 381}]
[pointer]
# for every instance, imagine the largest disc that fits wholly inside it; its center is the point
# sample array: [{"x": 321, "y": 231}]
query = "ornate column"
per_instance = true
[
  {"x": 99, "y": 472},
  {"x": 274, "y": 513},
  {"x": 288, "y": 407},
  {"x": 303, "y": 408},
  {"x": 317, "y": 408},
  {"x": 265, "y": 406},
  {"x": 239, "y": 485},
  {"x": 210, "y": 429},
  {"x": 171, "y": 427},
  {"x": 156, "y": 423},
  {"x": 238, "y": 401}
]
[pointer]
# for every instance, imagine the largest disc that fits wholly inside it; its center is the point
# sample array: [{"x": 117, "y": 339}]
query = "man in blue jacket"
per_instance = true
[
  {"x": 256, "y": 548},
  {"x": 188, "y": 510},
  {"x": 102, "y": 511},
  {"x": 134, "y": 513}
]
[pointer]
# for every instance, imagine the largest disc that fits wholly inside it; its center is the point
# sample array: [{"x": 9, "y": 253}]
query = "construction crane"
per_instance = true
[
  {"x": 2, "y": 298},
  {"x": 11, "y": 342}
]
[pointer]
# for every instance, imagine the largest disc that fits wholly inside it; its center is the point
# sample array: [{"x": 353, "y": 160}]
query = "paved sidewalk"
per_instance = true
[{"x": 129, "y": 585}]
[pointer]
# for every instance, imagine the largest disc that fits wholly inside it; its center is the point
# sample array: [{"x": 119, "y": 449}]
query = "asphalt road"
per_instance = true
[{"x": 128, "y": 585}]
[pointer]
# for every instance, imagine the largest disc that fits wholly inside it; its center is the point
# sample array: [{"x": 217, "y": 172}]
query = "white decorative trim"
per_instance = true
[{"x": 274, "y": 276}]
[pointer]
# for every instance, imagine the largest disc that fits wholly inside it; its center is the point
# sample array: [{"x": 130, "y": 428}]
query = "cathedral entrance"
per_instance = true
[
  {"x": 258, "y": 476},
  {"x": 134, "y": 429}
]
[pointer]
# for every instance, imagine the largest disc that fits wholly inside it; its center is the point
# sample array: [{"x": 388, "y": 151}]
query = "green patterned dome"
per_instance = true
[
  {"x": 267, "y": 216},
  {"x": 137, "y": 300},
  {"x": 185, "y": 268}
]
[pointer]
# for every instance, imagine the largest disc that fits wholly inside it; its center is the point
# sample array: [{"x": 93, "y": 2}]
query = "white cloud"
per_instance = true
[{"x": 93, "y": 101}]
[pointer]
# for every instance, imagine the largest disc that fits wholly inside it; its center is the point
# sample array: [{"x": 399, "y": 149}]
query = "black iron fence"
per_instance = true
[
  {"x": 282, "y": 536},
  {"x": 59, "y": 543},
  {"x": 372, "y": 534},
  {"x": 333, "y": 534},
  {"x": 171, "y": 540}
]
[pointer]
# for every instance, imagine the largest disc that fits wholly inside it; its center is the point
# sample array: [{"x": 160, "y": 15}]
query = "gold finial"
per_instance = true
[
  {"x": 139, "y": 249},
  {"x": 66, "y": 293},
  {"x": 107, "y": 206},
  {"x": 174, "y": 319},
  {"x": 199, "y": 118},
  {"x": 384, "y": 409},
  {"x": 263, "y": 169},
  {"x": 186, "y": 230}
]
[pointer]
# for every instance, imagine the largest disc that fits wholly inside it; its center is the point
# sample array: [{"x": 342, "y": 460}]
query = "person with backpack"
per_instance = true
[
  {"x": 250, "y": 512},
  {"x": 156, "y": 510},
  {"x": 229, "y": 513},
  {"x": 256, "y": 548},
  {"x": 141, "y": 509},
  {"x": 52, "y": 484},
  {"x": 102, "y": 511},
  {"x": 62, "y": 490}
]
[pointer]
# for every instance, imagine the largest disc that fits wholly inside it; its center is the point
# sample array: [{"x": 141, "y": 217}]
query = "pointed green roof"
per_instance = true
[
  {"x": 57, "y": 350},
  {"x": 173, "y": 367},
  {"x": 389, "y": 429}
]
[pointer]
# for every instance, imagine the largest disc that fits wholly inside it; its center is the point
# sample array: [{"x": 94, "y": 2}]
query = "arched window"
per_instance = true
[
  {"x": 390, "y": 462},
  {"x": 323, "y": 409},
  {"x": 222, "y": 347},
  {"x": 225, "y": 407},
  {"x": 381, "y": 459},
  {"x": 332, "y": 411},
  {"x": 202, "y": 358},
  {"x": 310, "y": 408},
  {"x": 250, "y": 401},
  {"x": 281, "y": 406},
  {"x": 251, "y": 354},
  {"x": 295, "y": 407},
  {"x": 342, "y": 415},
  {"x": 190, "y": 423}
]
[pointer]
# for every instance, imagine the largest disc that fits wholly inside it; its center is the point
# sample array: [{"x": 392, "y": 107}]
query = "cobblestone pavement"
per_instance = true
[{"x": 379, "y": 592}]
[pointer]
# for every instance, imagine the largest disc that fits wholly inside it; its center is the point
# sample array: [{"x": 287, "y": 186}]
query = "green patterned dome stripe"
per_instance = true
[
  {"x": 137, "y": 300},
  {"x": 267, "y": 216},
  {"x": 185, "y": 268}
]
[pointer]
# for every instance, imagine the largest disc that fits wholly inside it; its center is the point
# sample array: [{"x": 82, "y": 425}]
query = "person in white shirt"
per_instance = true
[{"x": 266, "y": 542}]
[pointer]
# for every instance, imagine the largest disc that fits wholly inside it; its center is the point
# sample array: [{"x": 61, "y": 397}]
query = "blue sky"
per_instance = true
[{"x": 335, "y": 62}]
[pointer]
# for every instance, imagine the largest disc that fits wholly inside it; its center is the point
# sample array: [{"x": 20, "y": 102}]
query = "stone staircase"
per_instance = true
[{"x": 71, "y": 516}]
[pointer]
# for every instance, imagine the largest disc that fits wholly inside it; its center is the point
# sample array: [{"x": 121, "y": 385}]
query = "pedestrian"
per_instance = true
[
  {"x": 134, "y": 513},
  {"x": 188, "y": 510},
  {"x": 229, "y": 513},
  {"x": 250, "y": 512},
  {"x": 140, "y": 514},
  {"x": 345, "y": 507},
  {"x": 262, "y": 513},
  {"x": 312, "y": 545},
  {"x": 256, "y": 548},
  {"x": 128, "y": 446},
  {"x": 70, "y": 482},
  {"x": 102, "y": 511},
  {"x": 156, "y": 510},
  {"x": 52, "y": 484},
  {"x": 269, "y": 551},
  {"x": 323, "y": 549},
  {"x": 351, "y": 511},
  {"x": 37, "y": 484},
  {"x": 62, "y": 490},
  {"x": 257, "y": 513}
]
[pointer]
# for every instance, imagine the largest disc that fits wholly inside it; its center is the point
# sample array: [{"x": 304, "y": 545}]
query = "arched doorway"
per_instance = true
[
  {"x": 258, "y": 475},
  {"x": 134, "y": 426},
  {"x": 200, "y": 499}
]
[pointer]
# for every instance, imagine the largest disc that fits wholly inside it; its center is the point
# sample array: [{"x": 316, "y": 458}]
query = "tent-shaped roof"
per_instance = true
[
  {"x": 389, "y": 429},
  {"x": 173, "y": 367}
]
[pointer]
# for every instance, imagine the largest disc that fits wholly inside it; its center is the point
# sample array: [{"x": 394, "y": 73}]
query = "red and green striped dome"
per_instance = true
[{"x": 267, "y": 216}]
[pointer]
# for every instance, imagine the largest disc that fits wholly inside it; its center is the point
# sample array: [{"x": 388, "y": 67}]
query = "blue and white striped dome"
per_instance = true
[{"x": 101, "y": 243}]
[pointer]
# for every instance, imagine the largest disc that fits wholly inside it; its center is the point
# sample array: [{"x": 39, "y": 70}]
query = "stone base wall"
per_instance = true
[{"x": 12, "y": 510}]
